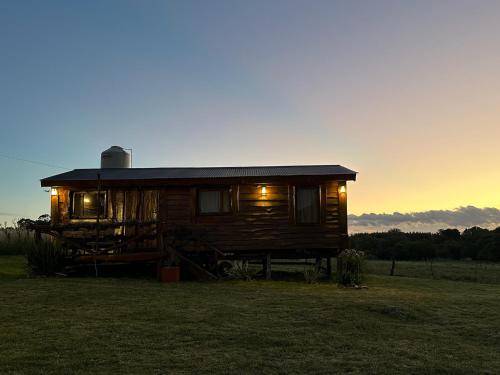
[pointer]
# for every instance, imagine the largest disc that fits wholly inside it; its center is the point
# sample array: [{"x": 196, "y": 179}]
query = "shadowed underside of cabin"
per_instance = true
[{"x": 285, "y": 212}]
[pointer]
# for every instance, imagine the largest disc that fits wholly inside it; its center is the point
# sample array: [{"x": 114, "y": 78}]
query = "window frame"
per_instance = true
[
  {"x": 72, "y": 204},
  {"x": 318, "y": 187},
  {"x": 221, "y": 190}
]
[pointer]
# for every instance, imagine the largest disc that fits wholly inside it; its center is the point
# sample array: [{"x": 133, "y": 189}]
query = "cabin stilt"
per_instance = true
[
  {"x": 267, "y": 266},
  {"x": 317, "y": 265}
]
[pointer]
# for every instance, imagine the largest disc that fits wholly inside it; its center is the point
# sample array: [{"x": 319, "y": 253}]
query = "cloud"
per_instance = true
[{"x": 461, "y": 217}]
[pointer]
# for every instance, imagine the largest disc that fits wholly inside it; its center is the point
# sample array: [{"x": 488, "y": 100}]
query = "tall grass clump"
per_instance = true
[
  {"x": 350, "y": 267},
  {"x": 311, "y": 275},
  {"x": 241, "y": 271},
  {"x": 45, "y": 258},
  {"x": 15, "y": 240}
]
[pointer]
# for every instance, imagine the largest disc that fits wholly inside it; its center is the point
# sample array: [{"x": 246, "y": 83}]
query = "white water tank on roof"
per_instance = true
[{"x": 115, "y": 157}]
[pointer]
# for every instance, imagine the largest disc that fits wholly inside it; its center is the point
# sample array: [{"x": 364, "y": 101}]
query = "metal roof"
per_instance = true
[{"x": 130, "y": 174}]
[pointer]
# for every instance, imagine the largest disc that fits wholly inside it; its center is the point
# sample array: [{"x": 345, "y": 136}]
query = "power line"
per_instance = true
[{"x": 34, "y": 162}]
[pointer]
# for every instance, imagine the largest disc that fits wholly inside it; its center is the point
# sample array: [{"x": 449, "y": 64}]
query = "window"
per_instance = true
[
  {"x": 87, "y": 204},
  {"x": 307, "y": 205},
  {"x": 214, "y": 201}
]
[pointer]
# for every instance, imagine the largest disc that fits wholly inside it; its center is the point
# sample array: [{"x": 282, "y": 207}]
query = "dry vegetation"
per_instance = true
[{"x": 14, "y": 240}]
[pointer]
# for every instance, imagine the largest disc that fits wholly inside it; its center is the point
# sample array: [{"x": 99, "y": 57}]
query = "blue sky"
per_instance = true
[{"x": 405, "y": 92}]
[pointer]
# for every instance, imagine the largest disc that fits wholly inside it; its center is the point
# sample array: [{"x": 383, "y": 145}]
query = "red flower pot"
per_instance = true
[{"x": 170, "y": 274}]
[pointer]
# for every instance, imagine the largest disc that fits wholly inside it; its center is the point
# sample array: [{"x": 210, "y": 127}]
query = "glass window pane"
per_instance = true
[
  {"x": 226, "y": 200},
  {"x": 209, "y": 201},
  {"x": 307, "y": 205},
  {"x": 86, "y": 204},
  {"x": 102, "y": 205},
  {"x": 78, "y": 204}
]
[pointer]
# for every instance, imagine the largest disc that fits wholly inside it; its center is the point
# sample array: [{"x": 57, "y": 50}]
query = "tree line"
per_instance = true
[{"x": 473, "y": 243}]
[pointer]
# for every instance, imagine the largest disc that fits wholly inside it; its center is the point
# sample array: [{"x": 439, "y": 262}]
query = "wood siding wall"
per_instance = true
[{"x": 257, "y": 221}]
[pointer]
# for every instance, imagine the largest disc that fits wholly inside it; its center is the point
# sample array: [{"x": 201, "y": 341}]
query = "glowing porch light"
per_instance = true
[
  {"x": 263, "y": 190},
  {"x": 342, "y": 189},
  {"x": 53, "y": 192}
]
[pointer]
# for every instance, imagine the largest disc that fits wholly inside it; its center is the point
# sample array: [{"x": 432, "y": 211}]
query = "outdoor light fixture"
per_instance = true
[
  {"x": 53, "y": 192},
  {"x": 263, "y": 190},
  {"x": 342, "y": 189}
]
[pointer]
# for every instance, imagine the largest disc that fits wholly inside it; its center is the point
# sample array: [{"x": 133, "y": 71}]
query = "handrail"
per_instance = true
[{"x": 102, "y": 224}]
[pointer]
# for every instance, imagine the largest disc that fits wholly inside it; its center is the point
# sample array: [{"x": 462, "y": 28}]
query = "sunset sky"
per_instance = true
[{"x": 407, "y": 93}]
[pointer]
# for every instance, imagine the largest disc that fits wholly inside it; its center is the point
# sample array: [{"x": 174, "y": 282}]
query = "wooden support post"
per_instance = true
[
  {"x": 161, "y": 248},
  {"x": 329, "y": 268},
  {"x": 138, "y": 209},
  {"x": 159, "y": 237},
  {"x": 268, "y": 267},
  {"x": 111, "y": 202},
  {"x": 97, "y": 228},
  {"x": 317, "y": 265},
  {"x": 124, "y": 213}
]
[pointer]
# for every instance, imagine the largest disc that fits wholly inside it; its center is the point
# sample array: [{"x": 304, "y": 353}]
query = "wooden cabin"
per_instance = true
[{"x": 253, "y": 213}]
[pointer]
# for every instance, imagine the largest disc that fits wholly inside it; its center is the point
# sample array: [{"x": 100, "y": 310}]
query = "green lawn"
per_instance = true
[
  {"x": 13, "y": 267},
  {"x": 109, "y": 325}
]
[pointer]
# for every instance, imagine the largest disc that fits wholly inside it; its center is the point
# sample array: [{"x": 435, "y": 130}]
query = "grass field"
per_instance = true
[
  {"x": 474, "y": 271},
  {"x": 138, "y": 326},
  {"x": 482, "y": 272}
]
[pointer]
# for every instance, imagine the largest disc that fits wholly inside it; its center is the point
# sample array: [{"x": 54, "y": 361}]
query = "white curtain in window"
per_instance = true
[
  {"x": 307, "y": 205},
  {"x": 209, "y": 201}
]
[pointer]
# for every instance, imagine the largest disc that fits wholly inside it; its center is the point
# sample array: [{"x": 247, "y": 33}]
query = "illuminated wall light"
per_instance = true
[
  {"x": 53, "y": 192},
  {"x": 342, "y": 189},
  {"x": 263, "y": 190}
]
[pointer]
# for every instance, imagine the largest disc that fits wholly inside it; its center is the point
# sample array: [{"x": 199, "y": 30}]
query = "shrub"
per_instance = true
[
  {"x": 45, "y": 258},
  {"x": 240, "y": 271},
  {"x": 349, "y": 267}
]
